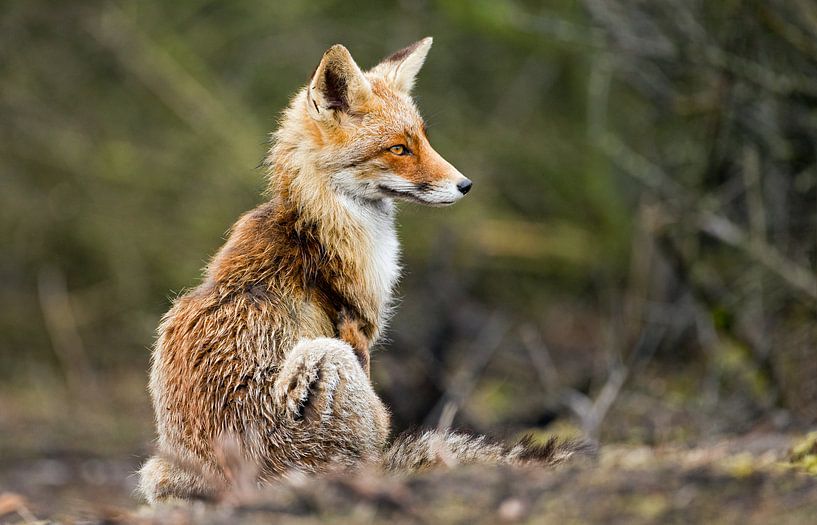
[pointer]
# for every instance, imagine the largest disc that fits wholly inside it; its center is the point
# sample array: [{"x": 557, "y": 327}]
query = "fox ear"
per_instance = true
[
  {"x": 337, "y": 85},
  {"x": 401, "y": 67}
]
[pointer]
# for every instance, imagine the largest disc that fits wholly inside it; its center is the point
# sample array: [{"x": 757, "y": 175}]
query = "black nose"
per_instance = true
[{"x": 465, "y": 186}]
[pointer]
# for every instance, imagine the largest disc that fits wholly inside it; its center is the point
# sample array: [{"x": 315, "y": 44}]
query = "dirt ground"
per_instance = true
[{"x": 757, "y": 478}]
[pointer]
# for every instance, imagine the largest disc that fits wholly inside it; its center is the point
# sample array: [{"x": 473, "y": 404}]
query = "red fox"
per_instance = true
[{"x": 273, "y": 346}]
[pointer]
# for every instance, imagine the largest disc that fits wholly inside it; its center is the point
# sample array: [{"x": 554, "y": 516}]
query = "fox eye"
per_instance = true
[{"x": 399, "y": 149}]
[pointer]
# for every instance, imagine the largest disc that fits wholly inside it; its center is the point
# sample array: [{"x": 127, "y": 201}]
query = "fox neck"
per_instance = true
[{"x": 358, "y": 232}]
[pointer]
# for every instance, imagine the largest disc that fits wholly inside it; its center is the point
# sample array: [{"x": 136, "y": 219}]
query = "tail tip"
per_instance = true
[{"x": 553, "y": 451}]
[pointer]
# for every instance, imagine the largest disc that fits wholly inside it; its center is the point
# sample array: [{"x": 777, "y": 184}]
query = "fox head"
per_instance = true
[{"x": 363, "y": 133}]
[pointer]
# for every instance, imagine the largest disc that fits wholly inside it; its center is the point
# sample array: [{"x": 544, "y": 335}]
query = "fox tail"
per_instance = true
[{"x": 418, "y": 451}]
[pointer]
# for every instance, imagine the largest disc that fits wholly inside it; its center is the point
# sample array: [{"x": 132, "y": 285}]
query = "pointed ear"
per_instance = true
[
  {"x": 400, "y": 68},
  {"x": 337, "y": 85}
]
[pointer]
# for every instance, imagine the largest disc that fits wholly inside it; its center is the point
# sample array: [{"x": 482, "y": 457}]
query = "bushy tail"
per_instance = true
[{"x": 417, "y": 451}]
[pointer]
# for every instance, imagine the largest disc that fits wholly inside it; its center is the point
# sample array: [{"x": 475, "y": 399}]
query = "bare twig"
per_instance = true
[
  {"x": 592, "y": 412},
  {"x": 460, "y": 387},
  {"x": 447, "y": 415},
  {"x": 11, "y": 503},
  {"x": 648, "y": 343},
  {"x": 201, "y": 105},
  {"x": 757, "y": 234},
  {"x": 540, "y": 357},
  {"x": 60, "y": 322},
  {"x": 798, "y": 277}
]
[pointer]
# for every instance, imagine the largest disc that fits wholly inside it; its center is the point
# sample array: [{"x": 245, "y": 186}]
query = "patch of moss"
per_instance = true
[{"x": 804, "y": 454}]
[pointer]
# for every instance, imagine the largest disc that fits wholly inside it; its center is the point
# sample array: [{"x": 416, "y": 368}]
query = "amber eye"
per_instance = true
[{"x": 399, "y": 149}]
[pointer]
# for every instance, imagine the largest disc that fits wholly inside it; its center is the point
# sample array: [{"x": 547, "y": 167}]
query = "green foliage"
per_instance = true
[
  {"x": 638, "y": 167},
  {"x": 804, "y": 454},
  {"x": 130, "y": 135}
]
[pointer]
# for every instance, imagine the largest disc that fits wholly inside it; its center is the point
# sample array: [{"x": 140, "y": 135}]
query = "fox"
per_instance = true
[{"x": 273, "y": 346}]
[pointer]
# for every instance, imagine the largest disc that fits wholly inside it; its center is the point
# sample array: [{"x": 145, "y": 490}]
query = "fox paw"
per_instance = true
[{"x": 311, "y": 377}]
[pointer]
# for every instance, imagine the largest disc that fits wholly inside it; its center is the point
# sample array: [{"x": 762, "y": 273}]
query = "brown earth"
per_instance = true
[{"x": 758, "y": 478}]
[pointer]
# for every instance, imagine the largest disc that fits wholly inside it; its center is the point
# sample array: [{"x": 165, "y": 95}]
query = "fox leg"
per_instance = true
[
  {"x": 328, "y": 407},
  {"x": 318, "y": 410},
  {"x": 162, "y": 480},
  {"x": 352, "y": 329}
]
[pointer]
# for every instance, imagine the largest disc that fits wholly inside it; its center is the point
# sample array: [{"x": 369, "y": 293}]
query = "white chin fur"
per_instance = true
[
  {"x": 443, "y": 194},
  {"x": 392, "y": 186}
]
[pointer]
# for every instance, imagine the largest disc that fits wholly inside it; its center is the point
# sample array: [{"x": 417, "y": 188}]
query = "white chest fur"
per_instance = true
[{"x": 382, "y": 262}]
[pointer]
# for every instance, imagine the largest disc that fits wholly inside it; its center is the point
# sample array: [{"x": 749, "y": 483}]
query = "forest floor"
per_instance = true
[
  {"x": 73, "y": 459},
  {"x": 756, "y": 478}
]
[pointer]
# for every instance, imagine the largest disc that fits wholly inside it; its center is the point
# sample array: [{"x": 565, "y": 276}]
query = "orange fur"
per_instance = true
[
  {"x": 352, "y": 331},
  {"x": 271, "y": 350},
  {"x": 266, "y": 362}
]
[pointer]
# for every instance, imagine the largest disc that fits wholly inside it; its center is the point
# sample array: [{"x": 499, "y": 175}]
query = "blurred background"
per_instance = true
[{"x": 637, "y": 261}]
